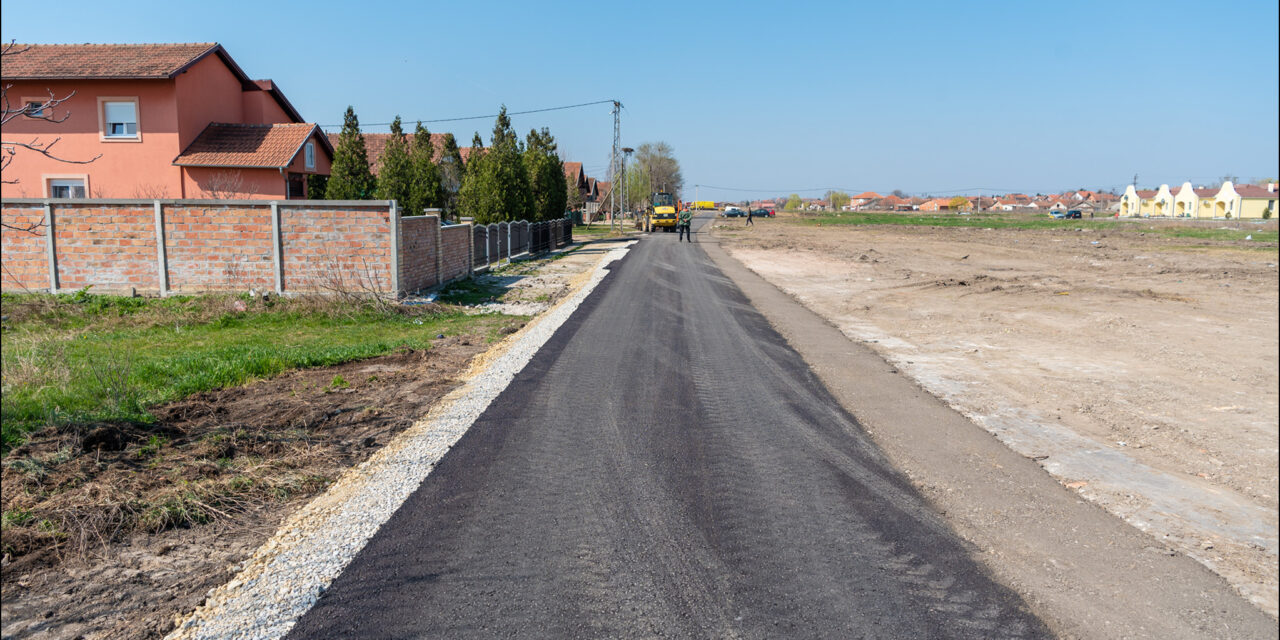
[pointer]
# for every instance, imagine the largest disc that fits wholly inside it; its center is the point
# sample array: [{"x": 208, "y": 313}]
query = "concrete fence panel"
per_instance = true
[
  {"x": 480, "y": 245},
  {"x": 495, "y": 250}
]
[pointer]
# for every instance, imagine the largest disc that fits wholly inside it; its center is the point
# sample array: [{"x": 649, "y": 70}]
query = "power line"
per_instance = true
[
  {"x": 852, "y": 189},
  {"x": 484, "y": 117}
]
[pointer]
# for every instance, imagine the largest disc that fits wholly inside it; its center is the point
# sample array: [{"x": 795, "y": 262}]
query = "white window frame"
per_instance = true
[
  {"x": 104, "y": 134},
  {"x": 309, "y": 154},
  {"x": 67, "y": 183}
]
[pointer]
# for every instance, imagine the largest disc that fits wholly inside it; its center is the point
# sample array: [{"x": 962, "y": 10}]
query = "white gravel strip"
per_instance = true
[{"x": 286, "y": 576}]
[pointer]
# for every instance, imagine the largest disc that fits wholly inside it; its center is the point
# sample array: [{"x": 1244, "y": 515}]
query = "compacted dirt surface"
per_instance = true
[{"x": 1138, "y": 369}]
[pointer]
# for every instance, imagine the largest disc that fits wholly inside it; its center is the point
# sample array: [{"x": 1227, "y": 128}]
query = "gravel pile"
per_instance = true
[{"x": 286, "y": 575}]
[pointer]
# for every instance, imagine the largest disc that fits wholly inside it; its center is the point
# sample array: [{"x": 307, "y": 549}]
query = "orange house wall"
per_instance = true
[
  {"x": 171, "y": 113},
  {"x": 255, "y": 184},
  {"x": 126, "y": 169},
  {"x": 260, "y": 108},
  {"x": 207, "y": 92},
  {"x": 323, "y": 161}
]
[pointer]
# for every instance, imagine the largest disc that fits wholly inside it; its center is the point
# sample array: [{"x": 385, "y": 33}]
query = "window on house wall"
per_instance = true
[
  {"x": 35, "y": 109},
  {"x": 120, "y": 119},
  {"x": 296, "y": 186},
  {"x": 310, "y": 151},
  {"x": 66, "y": 188}
]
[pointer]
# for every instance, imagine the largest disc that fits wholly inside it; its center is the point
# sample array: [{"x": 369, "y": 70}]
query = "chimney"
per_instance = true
[{"x": 1271, "y": 186}]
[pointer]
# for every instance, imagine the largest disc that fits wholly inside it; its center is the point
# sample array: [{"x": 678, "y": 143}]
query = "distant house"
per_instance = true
[
  {"x": 576, "y": 179},
  {"x": 163, "y": 121},
  {"x": 863, "y": 198},
  {"x": 375, "y": 144},
  {"x": 894, "y": 203}
]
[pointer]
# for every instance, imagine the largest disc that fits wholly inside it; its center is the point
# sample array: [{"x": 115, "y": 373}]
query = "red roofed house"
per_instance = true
[
  {"x": 863, "y": 198},
  {"x": 376, "y": 143},
  {"x": 162, "y": 120},
  {"x": 576, "y": 178}
]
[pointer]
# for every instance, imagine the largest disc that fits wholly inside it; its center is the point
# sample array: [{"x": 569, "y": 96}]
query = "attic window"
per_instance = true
[{"x": 310, "y": 152}]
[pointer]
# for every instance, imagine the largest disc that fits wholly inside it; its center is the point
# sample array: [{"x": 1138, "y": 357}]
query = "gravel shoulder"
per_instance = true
[{"x": 1092, "y": 577}]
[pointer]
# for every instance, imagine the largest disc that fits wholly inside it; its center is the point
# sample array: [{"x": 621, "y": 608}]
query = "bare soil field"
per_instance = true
[{"x": 1140, "y": 370}]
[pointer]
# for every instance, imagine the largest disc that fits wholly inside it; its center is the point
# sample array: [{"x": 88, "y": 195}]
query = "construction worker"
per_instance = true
[{"x": 683, "y": 222}]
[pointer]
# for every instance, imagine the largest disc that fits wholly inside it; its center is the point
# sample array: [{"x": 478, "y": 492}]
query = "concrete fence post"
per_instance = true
[
  {"x": 508, "y": 243},
  {"x": 471, "y": 250},
  {"x": 394, "y": 217},
  {"x": 277, "y": 248},
  {"x": 487, "y": 260},
  {"x": 48, "y": 245},
  {"x": 162, "y": 264},
  {"x": 439, "y": 244}
]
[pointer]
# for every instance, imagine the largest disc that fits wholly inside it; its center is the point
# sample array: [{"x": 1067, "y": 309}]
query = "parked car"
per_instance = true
[
  {"x": 1074, "y": 213},
  {"x": 762, "y": 213},
  {"x": 734, "y": 212}
]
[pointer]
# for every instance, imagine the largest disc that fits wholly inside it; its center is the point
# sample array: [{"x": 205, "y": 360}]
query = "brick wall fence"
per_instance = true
[{"x": 188, "y": 246}]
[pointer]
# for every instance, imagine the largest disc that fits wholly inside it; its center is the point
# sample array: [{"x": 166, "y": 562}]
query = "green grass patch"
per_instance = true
[
  {"x": 471, "y": 292},
  {"x": 84, "y": 359},
  {"x": 1208, "y": 230},
  {"x": 602, "y": 229}
]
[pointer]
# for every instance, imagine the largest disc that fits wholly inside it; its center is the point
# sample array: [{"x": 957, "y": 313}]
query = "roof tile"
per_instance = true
[
  {"x": 106, "y": 61},
  {"x": 246, "y": 145}
]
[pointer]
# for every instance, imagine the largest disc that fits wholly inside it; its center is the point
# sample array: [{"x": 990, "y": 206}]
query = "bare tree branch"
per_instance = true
[{"x": 46, "y": 110}]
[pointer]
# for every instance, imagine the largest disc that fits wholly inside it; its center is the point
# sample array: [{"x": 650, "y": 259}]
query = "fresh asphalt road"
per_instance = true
[{"x": 666, "y": 466}]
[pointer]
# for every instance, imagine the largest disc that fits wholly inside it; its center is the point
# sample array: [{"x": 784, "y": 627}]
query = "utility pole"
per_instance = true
[
  {"x": 626, "y": 184},
  {"x": 613, "y": 165}
]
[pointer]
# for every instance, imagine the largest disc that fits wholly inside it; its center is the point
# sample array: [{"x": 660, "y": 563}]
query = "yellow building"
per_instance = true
[{"x": 1229, "y": 201}]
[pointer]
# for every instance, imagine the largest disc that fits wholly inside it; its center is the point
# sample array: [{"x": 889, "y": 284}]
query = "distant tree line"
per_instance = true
[{"x": 508, "y": 180}]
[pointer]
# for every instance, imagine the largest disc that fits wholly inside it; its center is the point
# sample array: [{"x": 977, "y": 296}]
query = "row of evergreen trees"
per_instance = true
[{"x": 508, "y": 180}]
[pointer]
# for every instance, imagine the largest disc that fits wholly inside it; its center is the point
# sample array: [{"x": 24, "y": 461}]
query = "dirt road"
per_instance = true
[{"x": 1140, "y": 370}]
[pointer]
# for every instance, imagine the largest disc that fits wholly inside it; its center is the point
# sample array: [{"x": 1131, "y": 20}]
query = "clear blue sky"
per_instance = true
[{"x": 926, "y": 96}]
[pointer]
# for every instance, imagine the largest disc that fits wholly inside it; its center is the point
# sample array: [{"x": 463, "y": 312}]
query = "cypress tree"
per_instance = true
[
  {"x": 451, "y": 169},
  {"x": 316, "y": 184},
  {"x": 396, "y": 172},
  {"x": 547, "y": 184},
  {"x": 514, "y": 197},
  {"x": 476, "y": 193},
  {"x": 349, "y": 177},
  {"x": 425, "y": 189}
]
